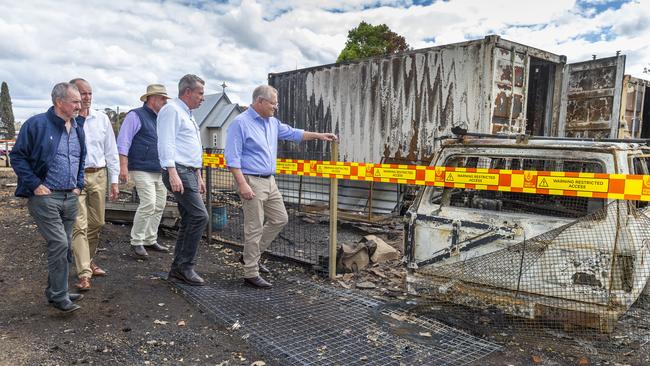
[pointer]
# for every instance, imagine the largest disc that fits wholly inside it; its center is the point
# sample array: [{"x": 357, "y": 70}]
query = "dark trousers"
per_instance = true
[
  {"x": 55, "y": 215},
  {"x": 194, "y": 217}
]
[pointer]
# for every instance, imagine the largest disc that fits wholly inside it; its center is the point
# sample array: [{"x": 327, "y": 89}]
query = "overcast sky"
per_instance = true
[{"x": 120, "y": 46}]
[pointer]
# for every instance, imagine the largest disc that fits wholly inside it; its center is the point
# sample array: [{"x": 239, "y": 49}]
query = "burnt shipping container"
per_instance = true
[{"x": 393, "y": 108}]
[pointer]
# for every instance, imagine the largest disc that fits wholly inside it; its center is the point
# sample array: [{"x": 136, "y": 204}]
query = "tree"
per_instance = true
[
  {"x": 6, "y": 112},
  {"x": 115, "y": 118},
  {"x": 369, "y": 40}
]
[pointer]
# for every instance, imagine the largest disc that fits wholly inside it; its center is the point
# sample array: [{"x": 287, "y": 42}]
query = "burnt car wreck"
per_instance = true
[{"x": 569, "y": 259}]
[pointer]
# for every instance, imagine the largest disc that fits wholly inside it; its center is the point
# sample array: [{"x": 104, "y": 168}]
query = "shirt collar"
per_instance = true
[
  {"x": 56, "y": 118},
  {"x": 253, "y": 113},
  {"x": 182, "y": 104}
]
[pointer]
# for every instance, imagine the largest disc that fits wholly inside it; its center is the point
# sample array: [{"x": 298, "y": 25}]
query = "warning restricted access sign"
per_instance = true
[
  {"x": 394, "y": 173},
  {"x": 597, "y": 185},
  {"x": 333, "y": 169},
  {"x": 573, "y": 184},
  {"x": 487, "y": 179},
  {"x": 286, "y": 166}
]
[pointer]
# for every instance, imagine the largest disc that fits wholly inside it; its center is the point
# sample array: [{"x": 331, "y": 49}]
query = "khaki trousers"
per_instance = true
[
  {"x": 90, "y": 219},
  {"x": 153, "y": 197},
  {"x": 264, "y": 218}
]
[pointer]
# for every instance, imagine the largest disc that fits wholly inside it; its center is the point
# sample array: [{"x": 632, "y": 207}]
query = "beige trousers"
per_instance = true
[
  {"x": 264, "y": 218},
  {"x": 90, "y": 219},
  {"x": 153, "y": 197}
]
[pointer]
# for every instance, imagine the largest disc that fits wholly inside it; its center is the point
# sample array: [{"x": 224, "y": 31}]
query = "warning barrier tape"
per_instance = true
[{"x": 592, "y": 185}]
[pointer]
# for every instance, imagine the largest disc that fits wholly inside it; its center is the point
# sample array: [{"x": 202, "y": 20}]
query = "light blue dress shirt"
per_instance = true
[
  {"x": 179, "y": 139},
  {"x": 64, "y": 169},
  {"x": 252, "y": 142}
]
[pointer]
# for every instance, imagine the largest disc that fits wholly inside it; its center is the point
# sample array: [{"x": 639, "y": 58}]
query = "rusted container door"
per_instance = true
[
  {"x": 632, "y": 108},
  {"x": 593, "y": 98},
  {"x": 509, "y": 91}
]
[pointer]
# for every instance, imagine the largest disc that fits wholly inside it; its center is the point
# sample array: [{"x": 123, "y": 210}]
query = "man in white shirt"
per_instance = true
[
  {"x": 181, "y": 157},
  {"x": 101, "y": 154}
]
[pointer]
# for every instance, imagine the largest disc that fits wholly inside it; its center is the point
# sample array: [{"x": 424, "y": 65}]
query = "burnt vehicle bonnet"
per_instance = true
[{"x": 466, "y": 245}]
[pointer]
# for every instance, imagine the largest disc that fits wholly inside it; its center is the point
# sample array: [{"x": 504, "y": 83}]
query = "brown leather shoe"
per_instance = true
[
  {"x": 96, "y": 270},
  {"x": 84, "y": 284},
  {"x": 257, "y": 282}
]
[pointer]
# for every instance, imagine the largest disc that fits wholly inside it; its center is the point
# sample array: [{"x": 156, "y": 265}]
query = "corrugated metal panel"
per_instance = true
[
  {"x": 393, "y": 107},
  {"x": 594, "y": 94},
  {"x": 632, "y": 106}
]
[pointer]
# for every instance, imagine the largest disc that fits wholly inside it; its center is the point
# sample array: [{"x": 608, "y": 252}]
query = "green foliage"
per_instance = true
[
  {"x": 116, "y": 119},
  {"x": 367, "y": 40},
  {"x": 7, "y": 120}
]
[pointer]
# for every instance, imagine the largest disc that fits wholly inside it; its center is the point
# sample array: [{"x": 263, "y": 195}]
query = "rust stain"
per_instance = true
[
  {"x": 387, "y": 152},
  {"x": 413, "y": 145},
  {"x": 506, "y": 73},
  {"x": 519, "y": 76}
]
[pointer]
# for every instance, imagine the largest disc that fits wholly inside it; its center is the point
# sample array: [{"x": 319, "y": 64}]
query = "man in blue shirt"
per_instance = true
[
  {"x": 251, "y": 151},
  {"x": 48, "y": 159},
  {"x": 181, "y": 157}
]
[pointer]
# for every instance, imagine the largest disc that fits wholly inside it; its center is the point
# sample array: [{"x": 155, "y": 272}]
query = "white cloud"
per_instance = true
[{"x": 121, "y": 46}]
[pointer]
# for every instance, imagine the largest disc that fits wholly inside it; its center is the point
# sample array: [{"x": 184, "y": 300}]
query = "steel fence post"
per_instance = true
[
  {"x": 208, "y": 196},
  {"x": 334, "y": 193}
]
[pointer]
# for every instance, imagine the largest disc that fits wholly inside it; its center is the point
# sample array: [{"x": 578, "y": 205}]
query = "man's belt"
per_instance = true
[
  {"x": 259, "y": 175},
  {"x": 93, "y": 169}
]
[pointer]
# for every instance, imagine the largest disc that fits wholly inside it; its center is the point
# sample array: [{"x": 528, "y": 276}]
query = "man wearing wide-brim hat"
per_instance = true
[{"x": 137, "y": 144}]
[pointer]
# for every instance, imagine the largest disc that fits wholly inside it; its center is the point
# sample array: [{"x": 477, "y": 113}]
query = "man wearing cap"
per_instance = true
[
  {"x": 101, "y": 168},
  {"x": 137, "y": 144}
]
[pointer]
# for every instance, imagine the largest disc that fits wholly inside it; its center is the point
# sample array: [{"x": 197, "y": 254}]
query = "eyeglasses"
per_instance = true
[{"x": 275, "y": 105}]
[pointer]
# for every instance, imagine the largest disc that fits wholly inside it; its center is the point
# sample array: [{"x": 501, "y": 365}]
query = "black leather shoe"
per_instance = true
[
  {"x": 73, "y": 297},
  {"x": 188, "y": 276},
  {"x": 262, "y": 268},
  {"x": 139, "y": 251},
  {"x": 257, "y": 282},
  {"x": 66, "y": 306},
  {"x": 158, "y": 248}
]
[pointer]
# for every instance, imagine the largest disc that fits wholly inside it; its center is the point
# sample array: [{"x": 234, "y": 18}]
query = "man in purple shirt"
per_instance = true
[
  {"x": 137, "y": 145},
  {"x": 251, "y": 151}
]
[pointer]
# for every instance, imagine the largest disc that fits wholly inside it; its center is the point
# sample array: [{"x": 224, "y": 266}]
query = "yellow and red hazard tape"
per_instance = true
[{"x": 595, "y": 185}]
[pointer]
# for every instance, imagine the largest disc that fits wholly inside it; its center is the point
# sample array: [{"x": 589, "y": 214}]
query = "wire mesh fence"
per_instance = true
[
  {"x": 307, "y": 200},
  {"x": 576, "y": 273},
  {"x": 535, "y": 268}
]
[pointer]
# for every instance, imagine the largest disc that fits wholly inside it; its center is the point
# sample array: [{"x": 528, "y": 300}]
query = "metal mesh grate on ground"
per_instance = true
[{"x": 298, "y": 323}]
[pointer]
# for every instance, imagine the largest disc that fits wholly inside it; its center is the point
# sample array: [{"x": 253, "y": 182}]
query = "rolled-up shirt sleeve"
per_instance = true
[
  {"x": 286, "y": 132},
  {"x": 130, "y": 127},
  {"x": 167, "y": 122},
  {"x": 110, "y": 153},
  {"x": 234, "y": 145}
]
